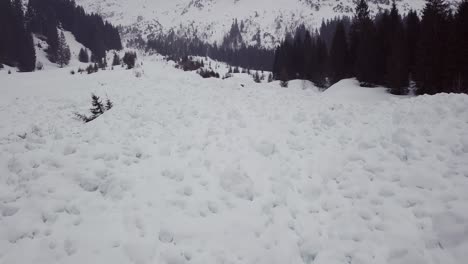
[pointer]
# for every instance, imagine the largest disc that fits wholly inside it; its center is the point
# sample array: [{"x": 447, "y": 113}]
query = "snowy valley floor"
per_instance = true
[{"x": 186, "y": 170}]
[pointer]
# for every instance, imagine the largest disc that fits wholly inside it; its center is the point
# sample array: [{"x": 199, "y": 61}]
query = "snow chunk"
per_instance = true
[
  {"x": 237, "y": 182},
  {"x": 265, "y": 148}
]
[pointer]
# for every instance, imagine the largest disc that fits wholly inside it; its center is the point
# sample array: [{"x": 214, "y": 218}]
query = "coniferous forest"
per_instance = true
[
  {"x": 16, "y": 42},
  {"x": 231, "y": 50},
  {"x": 44, "y": 18},
  {"x": 425, "y": 53},
  {"x": 429, "y": 52}
]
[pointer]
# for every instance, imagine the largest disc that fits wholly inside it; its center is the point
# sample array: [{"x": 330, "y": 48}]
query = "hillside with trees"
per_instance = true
[
  {"x": 392, "y": 50},
  {"x": 47, "y": 19}
]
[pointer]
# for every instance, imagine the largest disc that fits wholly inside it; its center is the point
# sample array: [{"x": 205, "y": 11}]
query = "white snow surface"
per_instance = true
[{"x": 190, "y": 170}]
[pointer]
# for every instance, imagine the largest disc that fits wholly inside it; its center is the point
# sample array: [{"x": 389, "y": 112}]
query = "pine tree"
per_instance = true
[
  {"x": 17, "y": 27},
  {"x": 129, "y": 59},
  {"x": 256, "y": 77},
  {"x": 384, "y": 30},
  {"x": 52, "y": 39},
  {"x": 432, "y": 49},
  {"x": 109, "y": 104},
  {"x": 412, "y": 38},
  {"x": 63, "y": 51},
  {"x": 365, "y": 64},
  {"x": 450, "y": 58},
  {"x": 116, "y": 59},
  {"x": 103, "y": 63},
  {"x": 27, "y": 57},
  {"x": 83, "y": 56},
  {"x": 90, "y": 69},
  {"x": 24, "y": 51},
  {"x": 284, "y": 78},
  {"x": 461, "y": 27},
  {"x": 5, "y": 31},
  {"x": 98, "y": 107},
  {"x": 339, "y": 57},
  {"x": 397, "y": 69},
  {"x": 309, "y": 57},
  {"x": 270, "y": 77},
  {"x": 321, "y": 55}
]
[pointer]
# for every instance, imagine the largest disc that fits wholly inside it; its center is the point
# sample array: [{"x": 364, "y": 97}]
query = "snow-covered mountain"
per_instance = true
[{"x": 211, "y": 19}]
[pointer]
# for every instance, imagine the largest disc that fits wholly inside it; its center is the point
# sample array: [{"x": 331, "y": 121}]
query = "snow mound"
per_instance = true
[{"x": 349, "y": 90}]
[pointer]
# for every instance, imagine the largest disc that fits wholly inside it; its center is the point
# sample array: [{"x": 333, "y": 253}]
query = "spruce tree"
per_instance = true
[
  {"x": 98, "y": 107},
  {"x": 309, "y": 57},
  {"x": 365, "y": 64},
  {"x": 270, "y": 77},
  {"x": 321, "y": 56},
  {"x": 461, "y": 27},
  {"x": 109, "y": 104},
  {"x": 256, "y": 77},
  {"x": 6, "y": 32},
  {"x": 129, "y": 59},
  {"x": 52, "y": 39},
  {"x": 384, "y": 31},
  {"x": 397, "y": 70},
  {"x": 27, "y": 57},
  {"x": 432, "y": 48},
  {"x": 450, "y": 58},
  {"x": 412, "y": 38},
  {"x": 116, "y": 59},
  {"x": 63, "y": 51},
  {"x": 83, "y": 55},
  {"x": 339, "y": 57},
  {"x": 23, "y": 50}
]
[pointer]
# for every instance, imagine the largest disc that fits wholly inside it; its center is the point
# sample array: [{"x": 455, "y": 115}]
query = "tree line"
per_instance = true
[
  {"x": 232, "y": 49},
  {"x": 44, "y": 18},
  {"x": 429, "y": 53}
]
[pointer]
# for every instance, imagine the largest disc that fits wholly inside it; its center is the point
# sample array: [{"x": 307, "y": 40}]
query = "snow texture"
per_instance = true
[{"x": 192, "y": 170}]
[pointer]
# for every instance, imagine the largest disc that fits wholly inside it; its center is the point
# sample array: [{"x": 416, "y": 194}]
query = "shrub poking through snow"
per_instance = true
[
  {"x": 208, "y": 73},
  {"x": 227, "y": 76},
  {"x": 39, "y": 66},
  {"x": 109, "y": 104},
  {"x": 116, "y": 60},
  {"x": 270, "y": 77},
  {"x": 129, "y": 59},
  {"x": 98, "y": 108},
  {"x": 188, "y": 64},
  {"x": 256, "y": 78}
]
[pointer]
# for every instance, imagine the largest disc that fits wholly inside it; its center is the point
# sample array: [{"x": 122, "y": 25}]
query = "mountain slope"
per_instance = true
[{"x": 211, "y": 19}]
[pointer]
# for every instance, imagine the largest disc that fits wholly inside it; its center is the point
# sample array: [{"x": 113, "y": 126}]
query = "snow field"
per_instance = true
[{"x": 192, "y": 170}]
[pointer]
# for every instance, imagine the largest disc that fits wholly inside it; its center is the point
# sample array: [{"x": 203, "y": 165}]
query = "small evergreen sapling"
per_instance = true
[
  {"x": 98, "y": 108},
  {"x": 116, "y": 59},
  {"x": 270, "y": 77},
  {"x": 109, "y": 104},
  {"x": 256, "y": 78}
]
